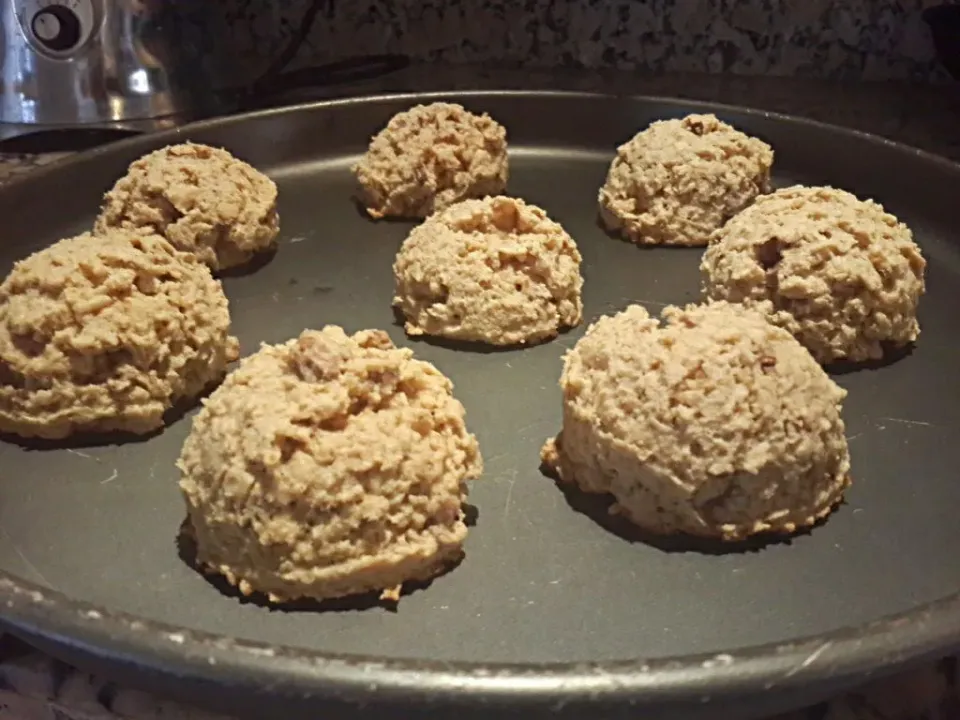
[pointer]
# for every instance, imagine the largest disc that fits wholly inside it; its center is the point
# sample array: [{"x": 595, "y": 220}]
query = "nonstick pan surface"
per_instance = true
[{"x": 556, "y": 609}]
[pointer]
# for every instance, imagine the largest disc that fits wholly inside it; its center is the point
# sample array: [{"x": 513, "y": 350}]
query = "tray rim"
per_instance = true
[{"x": 98, "y": 635}]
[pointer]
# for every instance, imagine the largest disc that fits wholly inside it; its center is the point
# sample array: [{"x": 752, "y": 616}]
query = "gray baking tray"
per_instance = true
[{"x": 556, "y": 611}]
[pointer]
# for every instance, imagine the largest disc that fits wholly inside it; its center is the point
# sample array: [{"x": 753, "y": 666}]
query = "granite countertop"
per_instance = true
[{"x": 36, "y": 687}]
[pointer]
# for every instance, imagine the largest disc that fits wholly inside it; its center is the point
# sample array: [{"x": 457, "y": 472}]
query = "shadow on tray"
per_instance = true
[
  {"x": 187, "y": 551},
  {"x": 257, "y": 262},
  {"x": 891, "y": 356},
  {"x": 597, "y": 508},
  {"x": 361, "y": 209}
]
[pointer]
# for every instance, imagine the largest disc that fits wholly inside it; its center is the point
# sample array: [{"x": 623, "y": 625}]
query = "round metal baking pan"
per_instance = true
[{"x": 556, "y": 611}]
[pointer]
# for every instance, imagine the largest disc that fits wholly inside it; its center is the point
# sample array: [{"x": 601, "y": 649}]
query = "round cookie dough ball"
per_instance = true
[
  {"x": 715, "y": 424},
  {"x": 429, "y": 157},
  {"x": 679, "y": 180},
  {"x": 840, "y": 274},
  {"x": 497, "y": 271},
  {"x": 103, "y": 334},
  {"x": 202, "y": 199},
  {"x": 328, "y": 466}
]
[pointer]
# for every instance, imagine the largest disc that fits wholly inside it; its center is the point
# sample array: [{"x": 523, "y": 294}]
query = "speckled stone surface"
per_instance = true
[
  {"x": 851, "y": 39},
  {"x": 34, "y": 686}
]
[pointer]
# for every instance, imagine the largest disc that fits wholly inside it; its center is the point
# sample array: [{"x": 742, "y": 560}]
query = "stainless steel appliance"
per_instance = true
[{"x": 101, "y": 63}]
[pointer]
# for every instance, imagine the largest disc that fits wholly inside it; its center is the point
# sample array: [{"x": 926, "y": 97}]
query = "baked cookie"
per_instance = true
[
  {"x": 101, "y": 334},
  {"x": 429, "y": 157},
  {"x": 715, "y": 423},
  {"x": 497, "y": 271},
  {"x": 677, "y": 181},
  {"x": 327, "y": 466},
  {"x": 840, "y": 274},
  {"x": 202, "y": 199}
]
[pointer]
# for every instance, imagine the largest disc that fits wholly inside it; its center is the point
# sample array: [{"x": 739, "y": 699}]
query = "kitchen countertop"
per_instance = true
[{"x": 36, "y": 687}]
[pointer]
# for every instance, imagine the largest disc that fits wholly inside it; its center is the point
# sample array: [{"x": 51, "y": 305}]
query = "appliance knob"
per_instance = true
[{"x": 57, "y": 28}]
